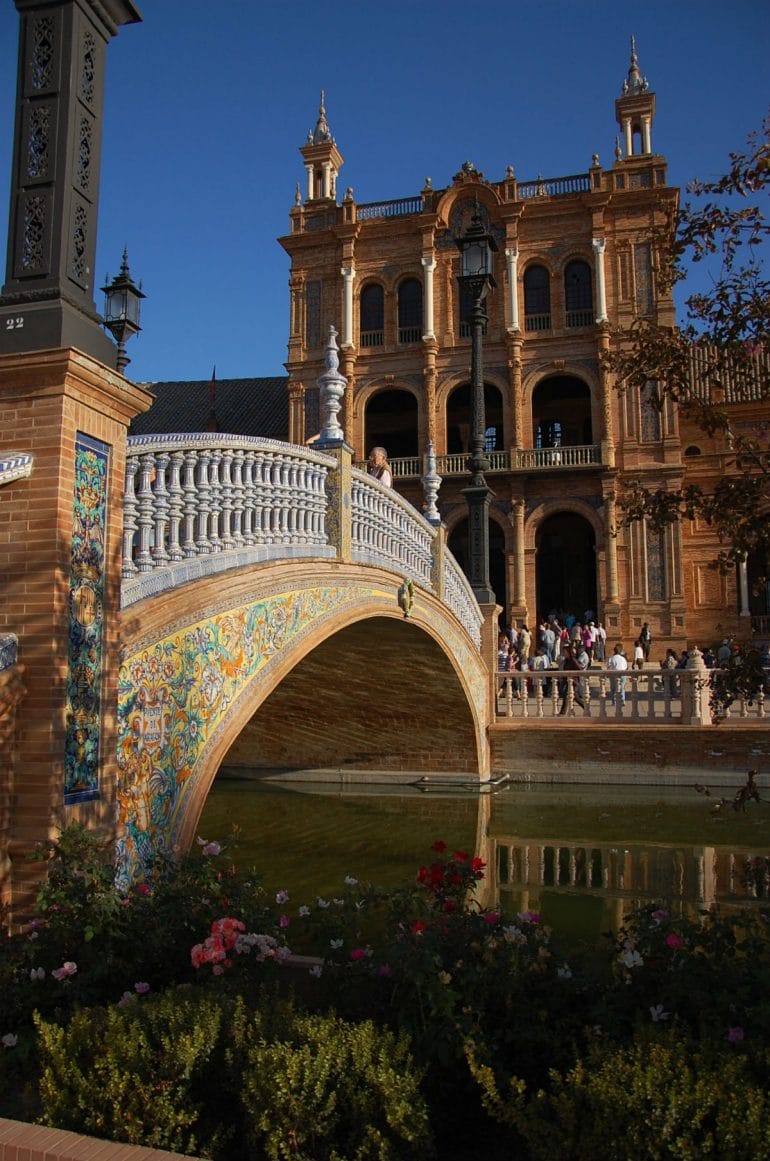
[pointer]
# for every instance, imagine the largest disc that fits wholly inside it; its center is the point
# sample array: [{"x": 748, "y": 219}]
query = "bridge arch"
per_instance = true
[{"x": 198, "y": 688}]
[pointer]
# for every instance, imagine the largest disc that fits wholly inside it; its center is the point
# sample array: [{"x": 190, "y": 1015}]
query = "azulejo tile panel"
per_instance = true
[
  {"x": 175, "y": 694},
  {"x": 86, "y": 621}
]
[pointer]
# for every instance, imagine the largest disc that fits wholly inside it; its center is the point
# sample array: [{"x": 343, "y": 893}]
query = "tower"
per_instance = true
[
  {"x": 635, "y": 109},
  {"x": 47, "y": 300},
  {"x": 323, "y": 160}
]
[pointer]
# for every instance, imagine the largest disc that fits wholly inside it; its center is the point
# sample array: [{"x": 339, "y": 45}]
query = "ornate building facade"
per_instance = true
[{"x": 575, "y": 265}]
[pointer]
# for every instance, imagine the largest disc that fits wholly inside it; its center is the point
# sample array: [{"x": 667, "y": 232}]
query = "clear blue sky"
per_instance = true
[{"x": 208, "y": 101}]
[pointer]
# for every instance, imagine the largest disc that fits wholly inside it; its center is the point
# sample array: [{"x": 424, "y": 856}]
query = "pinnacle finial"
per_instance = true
[
  {"x": 634, "y": 82},
  {"x": 321, "y": 132}
]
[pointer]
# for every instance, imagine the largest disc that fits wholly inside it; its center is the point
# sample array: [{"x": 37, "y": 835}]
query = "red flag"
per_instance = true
[{"x": 213, "y": 385}]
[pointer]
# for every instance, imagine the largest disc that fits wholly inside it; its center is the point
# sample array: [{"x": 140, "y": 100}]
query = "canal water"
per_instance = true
[{"x": 580, "y": 855}]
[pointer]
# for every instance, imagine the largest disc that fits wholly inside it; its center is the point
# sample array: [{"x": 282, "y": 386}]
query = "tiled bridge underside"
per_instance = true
[{"x": 305, "y": 664}]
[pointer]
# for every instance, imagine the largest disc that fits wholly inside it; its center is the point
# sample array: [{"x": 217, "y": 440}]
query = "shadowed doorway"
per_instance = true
[{"x": 566, "y": 565}]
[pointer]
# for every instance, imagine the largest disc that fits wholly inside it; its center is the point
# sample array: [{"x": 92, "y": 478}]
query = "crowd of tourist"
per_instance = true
[{"x": 562, "y": 642}]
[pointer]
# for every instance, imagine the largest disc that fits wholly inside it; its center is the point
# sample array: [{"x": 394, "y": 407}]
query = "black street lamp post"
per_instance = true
[
  {"x": 476, "y": 247},
  {"x": 122, "y": 301}
]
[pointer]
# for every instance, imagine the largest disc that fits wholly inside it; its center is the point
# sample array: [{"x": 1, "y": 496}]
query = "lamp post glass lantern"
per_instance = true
[
  {"x": 476, "y": 248},
  {"x": 122, "y": 304}
]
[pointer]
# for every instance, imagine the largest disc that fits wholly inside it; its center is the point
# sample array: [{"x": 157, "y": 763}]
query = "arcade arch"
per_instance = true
[
  {"x": 391, "y": 420},
  {"x": 561, "y": 412},
  {"x": 565, "y": 563},
  {"x": 457, "y": 542},
  {"x": 459, "y": 419}
]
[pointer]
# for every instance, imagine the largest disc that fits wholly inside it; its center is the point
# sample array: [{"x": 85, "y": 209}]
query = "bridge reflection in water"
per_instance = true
[{"x": 622, "y": 846}]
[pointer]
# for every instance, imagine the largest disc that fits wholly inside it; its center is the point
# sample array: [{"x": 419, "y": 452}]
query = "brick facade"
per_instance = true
[{"x": 575, "y": 266}]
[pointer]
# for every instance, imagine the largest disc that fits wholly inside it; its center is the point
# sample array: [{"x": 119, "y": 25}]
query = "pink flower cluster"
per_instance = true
[{"x": 221, "y": 941}]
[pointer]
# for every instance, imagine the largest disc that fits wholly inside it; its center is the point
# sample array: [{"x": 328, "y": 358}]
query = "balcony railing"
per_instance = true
[
  {"x": 517, "y": 460},
  {"x": 580, "y": 318},
  {"x": 391, "y": 209},
  {"x": 554, "y": 187},
  {"x": 372, "y": 338},
  {"x": 537, "y": 322},
  {"x": 409, "y": 334}
]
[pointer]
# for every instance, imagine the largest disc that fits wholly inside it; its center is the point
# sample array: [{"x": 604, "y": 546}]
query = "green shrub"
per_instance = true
[
  {"x": 206, "y": 1076},
  {"x": 139, "y": 1074},
  {"x": 658, "y": 1099},
  {"x": 333, "y": 1091}
]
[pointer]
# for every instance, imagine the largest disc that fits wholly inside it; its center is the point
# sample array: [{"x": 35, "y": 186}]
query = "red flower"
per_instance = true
[
  {"x": 439, "y": 846},
  {"x": 417, "y": 927},
  {"x": 674, "y": 940},
  {"x": 450, "y": 905},
  {"x": 460, "y": 857}
]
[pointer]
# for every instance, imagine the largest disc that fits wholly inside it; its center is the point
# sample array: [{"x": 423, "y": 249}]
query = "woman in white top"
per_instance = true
[{"x": 379, "y": 466}]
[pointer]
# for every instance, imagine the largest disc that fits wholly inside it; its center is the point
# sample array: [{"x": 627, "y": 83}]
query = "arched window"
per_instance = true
[
  {"x": 372, "y": 315},
  {"x": 537, "y": 299},
  {"x": 410, "y": 311},
  {"x": 578, "y": 294},
  {"x": 692, "y": 450}
]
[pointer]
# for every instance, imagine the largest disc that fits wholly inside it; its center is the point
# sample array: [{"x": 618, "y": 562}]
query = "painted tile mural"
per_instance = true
[
  {"x": 86, "y": 621},
  {"x": 173, "y": 696}
]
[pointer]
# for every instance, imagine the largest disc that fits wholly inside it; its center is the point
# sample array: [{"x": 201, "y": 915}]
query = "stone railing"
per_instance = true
[
  {"x": 198, "y": 504},
  {"x": 525, "y": 459},
  {"x": 648, "y": 696},
  {"x": 386, "y": 529}
]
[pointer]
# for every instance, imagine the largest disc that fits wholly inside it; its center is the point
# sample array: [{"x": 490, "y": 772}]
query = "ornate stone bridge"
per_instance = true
[{"x": 281, "y": 609}]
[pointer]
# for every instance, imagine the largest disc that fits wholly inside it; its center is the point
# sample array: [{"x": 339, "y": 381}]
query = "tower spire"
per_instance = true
[
  {"x": 323, "y": 160},
  {"x": 635, "y": 108}
]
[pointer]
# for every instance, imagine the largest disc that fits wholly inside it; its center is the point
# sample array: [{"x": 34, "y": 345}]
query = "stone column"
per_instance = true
[
  {"x": 309, "y": 172},
  {"x": 429, "y": 378},
  {"x": 628, "y": 136},
  {"x": 646, "y": 140},
  {"x": 514, "y": 343},
  {"x": 743, "y": 588},
  {"x": 429, "y": 266},
  {"x": 608, "y": 436},
  {"x": 348, "y": 273},
  {"x": 519, "y": 602},
  {"x": 512, "y": 260},
  {"x": 599, "y": 246},
  {"x": 610, "y": 516}
]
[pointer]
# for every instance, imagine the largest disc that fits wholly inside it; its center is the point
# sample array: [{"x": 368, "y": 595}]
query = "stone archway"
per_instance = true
[
  {"x": 391, "y": 420},
  {"x": 458, "y": 419},
  {"x": 565, "y": 545},
  {"x": 561, "y": 413}
]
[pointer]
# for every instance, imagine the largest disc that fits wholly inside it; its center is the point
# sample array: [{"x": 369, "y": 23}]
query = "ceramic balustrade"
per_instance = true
[
  {"x": 387, "y": 530},
  {"x": 190, "y": 498}
]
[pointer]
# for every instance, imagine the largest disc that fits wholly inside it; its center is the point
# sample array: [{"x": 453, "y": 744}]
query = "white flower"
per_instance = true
[
  {"x": 350, "y": 881},
  {"x": 316, "y": 970},
  {"x": 321, "y": 902},
  {"x": 9, "y": 1040},
  {"x": 564, "y": 972},
  {"x": 632, "y": 959},
  {"x": 339, "y": 902},
  {"x": 657, "y": 1013},
  {"x": 303, "y": 911},
  {"x": 37, "y": 973},
  {"x": 335, "y": 943}
]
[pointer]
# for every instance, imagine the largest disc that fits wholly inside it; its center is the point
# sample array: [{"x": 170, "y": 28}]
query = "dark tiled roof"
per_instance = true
[{"x": 241, "y": 407}]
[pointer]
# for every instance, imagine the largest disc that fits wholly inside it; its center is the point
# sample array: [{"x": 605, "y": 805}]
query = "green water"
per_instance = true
[{"x": 581, "y": 855}]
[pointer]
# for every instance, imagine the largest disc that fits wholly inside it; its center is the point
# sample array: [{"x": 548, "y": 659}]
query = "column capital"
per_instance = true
[
  {"x": 599, "y": 245},
  {"x": 428, "y": 263},
  {"x": 348, "y": 272},
  {"x": 511, "y": 252}
]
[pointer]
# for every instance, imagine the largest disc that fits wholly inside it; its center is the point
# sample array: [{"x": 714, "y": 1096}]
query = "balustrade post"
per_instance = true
[
  {"x": 175, "y": 497},
  {"x": 203, "y": 507},
  {"x": 160, "y": 516},
  {"x": 145, "y": 516},
  {"x": 228, "y": 540},
  {"x": 215, "y": 501},
  {"x": 238, "y": 496},
  {"x": 189, "y": 504},
  {"x": 339, "y": 505},
  {"x": 696, "y": 710},
  {"x": 129, "y": 517}
]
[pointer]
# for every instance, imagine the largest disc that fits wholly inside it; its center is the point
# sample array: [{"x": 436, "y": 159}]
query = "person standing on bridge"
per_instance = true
[{"x": 379, "y": 466}]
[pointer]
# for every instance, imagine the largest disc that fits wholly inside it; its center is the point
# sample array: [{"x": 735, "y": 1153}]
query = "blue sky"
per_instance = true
[{"x": 207, "y": 105}]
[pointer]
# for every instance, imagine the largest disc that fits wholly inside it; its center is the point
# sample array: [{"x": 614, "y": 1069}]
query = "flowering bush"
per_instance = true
[{"x": 516, "y": 1044}]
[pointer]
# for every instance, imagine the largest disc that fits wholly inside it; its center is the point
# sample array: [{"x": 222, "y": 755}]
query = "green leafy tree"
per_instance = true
[{"x": 719, "y": 358}]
